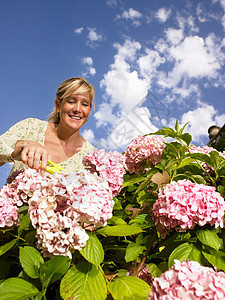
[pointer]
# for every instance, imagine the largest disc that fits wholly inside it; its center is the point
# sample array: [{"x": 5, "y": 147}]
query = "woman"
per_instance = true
[{"x": 32, "y": 142}]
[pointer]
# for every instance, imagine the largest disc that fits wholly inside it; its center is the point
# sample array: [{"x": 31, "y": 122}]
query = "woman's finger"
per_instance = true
[
  {"x": 44, "y": 161},
  {"x": 30, "y": 159},
  {"x": 36, "y": 161},
  {"x": 24, "y": 156}
]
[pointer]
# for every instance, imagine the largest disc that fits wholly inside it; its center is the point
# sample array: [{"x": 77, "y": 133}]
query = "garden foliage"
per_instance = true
[{"x": 132, "y": 226}]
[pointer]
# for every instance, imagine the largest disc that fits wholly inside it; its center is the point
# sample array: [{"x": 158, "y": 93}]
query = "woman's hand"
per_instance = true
[{"x": 31, "y": 153}]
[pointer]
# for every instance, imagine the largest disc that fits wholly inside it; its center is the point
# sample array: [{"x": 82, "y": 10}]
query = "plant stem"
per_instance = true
[{"x": 136, "y": 272}]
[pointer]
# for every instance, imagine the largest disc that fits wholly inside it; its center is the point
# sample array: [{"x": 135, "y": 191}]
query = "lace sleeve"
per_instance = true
[{"x": 9, "y": 139}]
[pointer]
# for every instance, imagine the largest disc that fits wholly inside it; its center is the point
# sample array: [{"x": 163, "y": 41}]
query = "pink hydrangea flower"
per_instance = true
[
  {"x": 107, "y": 165},
  {"x": 88, "y": 195},
  {"x": 21, "y": 187},
  {"x": 205, "y": 150},
  {"x": 59, "y": 211},
  {"x": 143, "y": 149},
  {"x": 16, "y": 192},
  {"x": 186, "y": 204},
  {"x": 189, "y": 280},
  {"x": 8, "y": 213},
  {"x": 56, "y": 233}
]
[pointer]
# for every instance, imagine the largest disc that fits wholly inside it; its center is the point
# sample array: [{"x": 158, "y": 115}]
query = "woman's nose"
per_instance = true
[{"x": 77, "y": 106}]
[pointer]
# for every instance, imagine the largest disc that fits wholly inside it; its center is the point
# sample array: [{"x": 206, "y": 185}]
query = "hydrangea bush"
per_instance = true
[{"x": 146, "y": 224}]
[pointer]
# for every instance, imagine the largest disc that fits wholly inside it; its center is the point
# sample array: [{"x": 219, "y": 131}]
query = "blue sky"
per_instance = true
[{"x": 151, "y": 62}]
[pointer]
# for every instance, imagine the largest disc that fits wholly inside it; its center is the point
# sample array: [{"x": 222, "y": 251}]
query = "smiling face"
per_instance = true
[{"x": 74, "y": 111}]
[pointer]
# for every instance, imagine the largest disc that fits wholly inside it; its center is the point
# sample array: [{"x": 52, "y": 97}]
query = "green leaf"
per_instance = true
[
  {"x": 134, "y": 180},
  {"x": 93, "y": 250},
  {"x": 154, "y": 270},
  {"x": 185, "y": 251},
  {"x": 221, "y": 189},
  {"x": 23, "y": 208},
  {"x": 166, "y": 131},
  {"x": 17, "y": 288},
  {"x": 209, "y": 238},
  {"x": 30, "y": 237},
  {"x": 119, "y": 230},
  {"x": 129, "y": 288},
  {"x": 216, "y": 258},
  {"x": 198, "y": 179},
  {"x": 83, "y": 282},
  {"x": 177, "y": 126},
  {"x": 31, "y": 259},
  {"x": 143, "y": 221},
  {"x": 24, "y": 223},
  {"x": 186, "y": 137},
  {"x": 117, "y": 205},
  {"x": 133, "y": 251},
  {"x": 203, "y": 158},
  {"x": 54, "y": 269},
  {"x": 170, "y": 151},
  {"x": 182, "y": 129},
  {"x": 6, "y": 247},
  {"x": 116, "y": 221},
  {"x": 186, "y": 161},
  {"x": 216, "y": 158}
]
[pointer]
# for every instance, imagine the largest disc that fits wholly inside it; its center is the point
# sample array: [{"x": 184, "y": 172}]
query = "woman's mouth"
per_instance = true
[{"x": 75, "y": 117}]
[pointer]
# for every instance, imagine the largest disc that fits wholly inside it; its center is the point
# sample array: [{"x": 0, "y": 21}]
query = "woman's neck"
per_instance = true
[{"x": 67, "y": 137}]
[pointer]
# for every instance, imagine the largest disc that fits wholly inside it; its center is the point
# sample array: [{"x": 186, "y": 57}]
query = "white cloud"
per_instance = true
[
  {"x": 193, "y": 58},
  {"x": 148, "y": 63},
  {"x": 105, "y": 115},
  {"x": 122, "y": 85},
  {"x": 132, "y": 15},
  {"x": 111, "y": 3},
  {"x": 174, "y": 36},
  {"x": 78, "y": 30},
  {"x": 163, "y": 14},
  {"x": 222, "y": 2},
  {"x": 185, "y": 90},
  {"x": 93, "y": 37},
  {"x": 201, "y": 14},
  {"x": 92, "y": 71},
  {"x": 187, "y": 22},
  {"x": 88, "y": 62},
  {"x": 88, "y": 135},
  {"x": 200, "y": 120}
]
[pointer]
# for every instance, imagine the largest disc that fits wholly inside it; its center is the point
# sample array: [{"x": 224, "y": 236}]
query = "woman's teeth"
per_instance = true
[{"x": 75, "y": 118}]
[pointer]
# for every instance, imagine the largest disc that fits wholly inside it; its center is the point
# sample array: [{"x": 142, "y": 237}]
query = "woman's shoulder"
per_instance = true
[
  {"x": 29, "y": 122},
  {"x": 88, "y": 147},
  {"x": 30, "y": 126},
  {"x": 35, "y": 121}
]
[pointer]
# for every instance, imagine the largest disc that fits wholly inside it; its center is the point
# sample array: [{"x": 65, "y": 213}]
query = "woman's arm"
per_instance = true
[{"x": 14, "y": 144}]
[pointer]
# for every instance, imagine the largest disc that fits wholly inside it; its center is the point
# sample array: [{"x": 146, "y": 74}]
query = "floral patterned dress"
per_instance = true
[{"x": 34, "y": 130}]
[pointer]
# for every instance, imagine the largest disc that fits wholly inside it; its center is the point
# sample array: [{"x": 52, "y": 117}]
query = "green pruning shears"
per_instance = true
[{"x": 53, "y": 168}]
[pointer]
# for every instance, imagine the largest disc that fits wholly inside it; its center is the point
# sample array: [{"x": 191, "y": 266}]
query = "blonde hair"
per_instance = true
[{"x": 71, "y": 86}]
